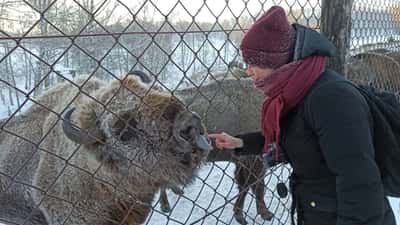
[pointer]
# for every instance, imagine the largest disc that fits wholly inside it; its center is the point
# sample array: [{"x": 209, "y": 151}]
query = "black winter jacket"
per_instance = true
[{"x": 327, "y": 139}]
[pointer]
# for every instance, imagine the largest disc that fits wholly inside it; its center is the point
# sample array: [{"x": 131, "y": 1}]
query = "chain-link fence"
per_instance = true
[
  {"x": 126, "y": 159},
  {"x": 373, "y": 57},
  {"x": 374, "y": 25}
]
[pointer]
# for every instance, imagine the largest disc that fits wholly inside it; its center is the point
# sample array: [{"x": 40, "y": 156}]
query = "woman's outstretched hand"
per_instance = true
[{"x": 224, "y": 140}]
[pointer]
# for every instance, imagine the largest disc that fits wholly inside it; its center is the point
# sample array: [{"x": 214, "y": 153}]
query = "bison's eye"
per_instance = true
[
  {"x": 127, "y": 134},
  {"x": 187, "y": 132}
]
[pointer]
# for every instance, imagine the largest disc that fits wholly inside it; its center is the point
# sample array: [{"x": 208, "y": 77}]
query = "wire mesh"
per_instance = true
[
  {"x": 373, "y": 54},
  {"x": 374, "y": 25},
  {"x": 59, "y": 54}
]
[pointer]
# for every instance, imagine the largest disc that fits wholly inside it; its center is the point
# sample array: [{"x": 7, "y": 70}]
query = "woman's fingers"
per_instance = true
[
  {"x": 218, "y": 145},
  {"x": 222, "y": 140},
  {"x": 217, "y": 136},
  {"x": 222, "y": 136}
]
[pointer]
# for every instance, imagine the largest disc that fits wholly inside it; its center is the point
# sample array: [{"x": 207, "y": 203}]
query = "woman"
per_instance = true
[{"x": 318, "y": 120}]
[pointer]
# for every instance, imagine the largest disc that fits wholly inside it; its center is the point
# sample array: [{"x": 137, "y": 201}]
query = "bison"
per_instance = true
[
  {"x": 95, "y": 152},
  {"x": 233, "y": 105}
]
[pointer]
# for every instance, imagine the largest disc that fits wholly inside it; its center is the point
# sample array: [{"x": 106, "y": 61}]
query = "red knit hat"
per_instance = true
[{"x": 270, "y": 40}]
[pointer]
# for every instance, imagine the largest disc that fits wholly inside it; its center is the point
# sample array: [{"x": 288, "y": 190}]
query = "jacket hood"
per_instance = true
[{"x": 310, "y": 42}]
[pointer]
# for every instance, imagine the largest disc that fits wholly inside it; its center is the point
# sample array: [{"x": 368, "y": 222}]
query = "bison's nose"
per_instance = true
[
  {"x": 203, "y": 143},
  {"x": 201, "y": 138},
  {"x": 190, "y": 130},
  {"x": 195, "y": 135}
]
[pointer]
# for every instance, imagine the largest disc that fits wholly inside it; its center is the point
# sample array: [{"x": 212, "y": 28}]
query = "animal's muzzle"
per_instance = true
[
  {"x": 203, "y": 142},
  {"x": 190, "y": 132}
]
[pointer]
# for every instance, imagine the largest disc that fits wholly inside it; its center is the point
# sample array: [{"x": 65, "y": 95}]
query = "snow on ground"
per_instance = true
[
  {"x": 210, "y": 201},
  {"x": 215, "y": 198}
]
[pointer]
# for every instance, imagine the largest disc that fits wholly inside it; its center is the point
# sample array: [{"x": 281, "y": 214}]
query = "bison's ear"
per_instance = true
[{"x": 88, "y": 136}]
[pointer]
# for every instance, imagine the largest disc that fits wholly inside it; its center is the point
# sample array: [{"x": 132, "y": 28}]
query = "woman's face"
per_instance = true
[{"x": 257, "y": 73}]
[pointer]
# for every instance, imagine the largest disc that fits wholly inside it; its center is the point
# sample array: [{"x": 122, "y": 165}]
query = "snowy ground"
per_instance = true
[
  {"x": 211, "y": 206},
  {"x": 210, "y": 201},
  {"x": 214, "y": 194}
]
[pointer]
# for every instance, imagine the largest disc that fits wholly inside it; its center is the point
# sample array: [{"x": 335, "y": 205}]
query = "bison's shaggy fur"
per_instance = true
[
  {"x": 379, "y": 68},
  {"x": 141, "y": 140},
  {"x": 233, "y": 106}
]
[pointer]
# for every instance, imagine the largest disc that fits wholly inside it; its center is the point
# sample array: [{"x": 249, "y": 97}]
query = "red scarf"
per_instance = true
[{"x": 284, "y": 89}]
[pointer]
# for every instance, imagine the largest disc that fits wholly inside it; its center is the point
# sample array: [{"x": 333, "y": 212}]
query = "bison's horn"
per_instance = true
[
  {"x": 77, "y": 135},
  {"x": 144, "y": 77}
]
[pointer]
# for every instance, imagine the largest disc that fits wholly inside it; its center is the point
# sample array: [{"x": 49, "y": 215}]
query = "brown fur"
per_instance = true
[
  {"x": 110, "y": 182},
  {"x": 232, "y": 106},
  {"x": 379, "y": 69}
]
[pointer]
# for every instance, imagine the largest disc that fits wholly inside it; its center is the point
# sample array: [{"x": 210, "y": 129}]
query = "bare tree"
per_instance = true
[{"x": 336, "y": 25}]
